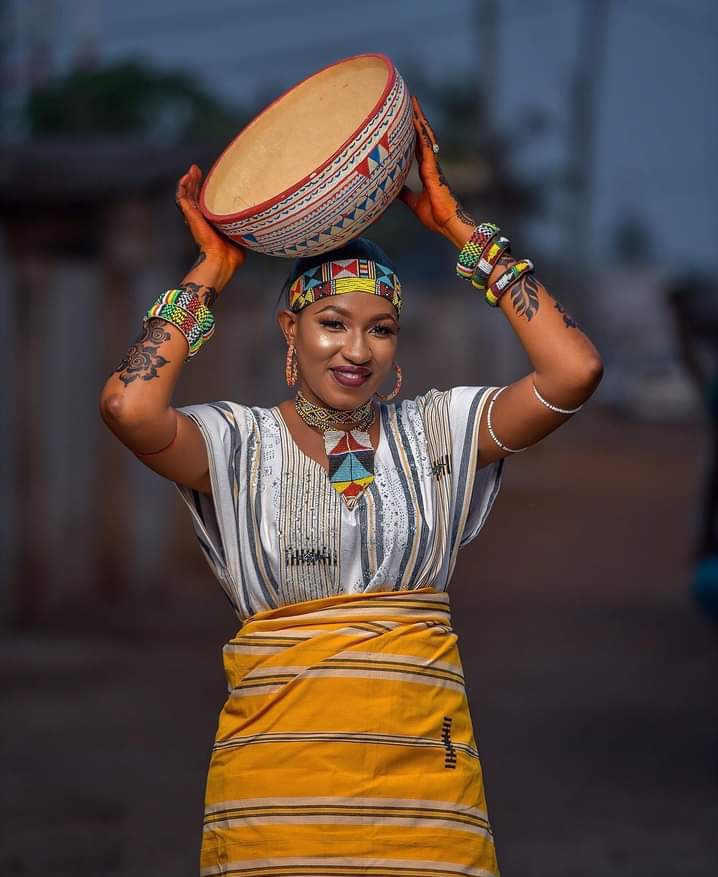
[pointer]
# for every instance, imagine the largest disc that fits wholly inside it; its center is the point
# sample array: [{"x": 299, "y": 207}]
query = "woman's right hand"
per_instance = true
[{"x": 214, "y": 245}]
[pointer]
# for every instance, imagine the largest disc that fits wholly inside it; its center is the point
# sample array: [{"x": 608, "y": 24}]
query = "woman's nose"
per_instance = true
[{"x": 356, "y": 347}]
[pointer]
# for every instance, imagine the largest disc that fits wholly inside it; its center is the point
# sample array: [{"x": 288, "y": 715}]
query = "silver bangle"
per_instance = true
[
  {"x": 554, "y": 407},
  {"x": 491, "y": 430}
]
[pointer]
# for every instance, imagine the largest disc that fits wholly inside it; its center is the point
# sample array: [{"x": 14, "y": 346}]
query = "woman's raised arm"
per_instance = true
[
  {"x": 567, "y": 366},
  {"x": 135, "y": 399}
]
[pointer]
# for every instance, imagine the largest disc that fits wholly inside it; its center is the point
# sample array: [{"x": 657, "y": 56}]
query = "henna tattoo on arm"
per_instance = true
[
  {"x": 208, "y": 294},
  {"x": 567, "y": 318},
  {"x": 525, "y": 296},
  {"x": 142, "y": 359}
]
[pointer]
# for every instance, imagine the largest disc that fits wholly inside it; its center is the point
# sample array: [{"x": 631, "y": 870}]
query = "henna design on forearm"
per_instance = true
[
  {"x": 208, "y": 294},
  {"x": 142, "y": 359},
  {"x": 567, "y": 318},
  {"x": 525, "y": 296}
]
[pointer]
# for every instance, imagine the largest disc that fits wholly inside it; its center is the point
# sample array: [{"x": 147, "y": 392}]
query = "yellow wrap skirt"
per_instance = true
[{"x": 345, "y": 746}]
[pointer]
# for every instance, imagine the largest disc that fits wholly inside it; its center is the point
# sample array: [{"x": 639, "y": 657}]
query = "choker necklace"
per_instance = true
[{"x": 349, "y": 450}]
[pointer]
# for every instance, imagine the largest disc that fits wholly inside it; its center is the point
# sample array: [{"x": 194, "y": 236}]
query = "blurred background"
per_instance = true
[{"x": 587, "y": 608}]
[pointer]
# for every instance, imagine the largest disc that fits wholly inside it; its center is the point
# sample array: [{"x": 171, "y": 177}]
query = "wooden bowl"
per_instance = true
[{"x": 319, "y": 164}]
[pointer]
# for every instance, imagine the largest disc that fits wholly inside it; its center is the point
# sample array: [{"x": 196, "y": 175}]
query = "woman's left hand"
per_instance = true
[{"x": 435, "y": 206}]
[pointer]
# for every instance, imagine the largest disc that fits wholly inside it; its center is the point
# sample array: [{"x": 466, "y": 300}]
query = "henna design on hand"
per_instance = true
[
  {"x": 525, "y": 297},
  {"x": 142, "y": 359},
  {"x": 209, "y": 296},
  {"x": 567, "y": 318},
  {"x": 465, "y": 217},
  {"x": 426, "y": 137},
  {"x": 460, "y": 213}
]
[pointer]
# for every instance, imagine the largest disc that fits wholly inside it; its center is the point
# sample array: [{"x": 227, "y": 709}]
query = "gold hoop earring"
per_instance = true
[
  {"x": 291, "y": 372},
  {"x": 397, "y": 386}
]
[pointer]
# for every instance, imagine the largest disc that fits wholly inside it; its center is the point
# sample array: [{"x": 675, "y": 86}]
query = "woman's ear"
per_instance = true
[{"x": 287, "y": 322}]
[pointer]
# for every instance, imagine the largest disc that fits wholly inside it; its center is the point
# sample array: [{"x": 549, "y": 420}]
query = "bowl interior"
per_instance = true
[{"x": 295, "y": 135}]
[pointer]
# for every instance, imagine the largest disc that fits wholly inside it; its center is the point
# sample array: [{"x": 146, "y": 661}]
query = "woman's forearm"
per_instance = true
[
  {"x": 563, "y": 357},
  {"x": 141, "y": 385}
]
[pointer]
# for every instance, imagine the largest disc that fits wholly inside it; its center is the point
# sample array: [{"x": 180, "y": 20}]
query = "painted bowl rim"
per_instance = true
[{"x": 259, "y": 208}]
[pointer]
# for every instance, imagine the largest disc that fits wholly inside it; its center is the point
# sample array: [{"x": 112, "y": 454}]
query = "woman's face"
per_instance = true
[{"x": 345, "y": 346}]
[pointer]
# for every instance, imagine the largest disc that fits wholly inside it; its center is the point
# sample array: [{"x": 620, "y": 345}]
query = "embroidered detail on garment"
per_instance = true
[
  {"x": 441, "y": 467},
  {"x": 298, "y": 556},
  {"x": 450, "y": 757}
]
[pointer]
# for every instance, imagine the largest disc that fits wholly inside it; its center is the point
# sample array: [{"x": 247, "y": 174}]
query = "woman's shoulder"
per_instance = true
[
  {"x": 435, "y": 398},
  {"x": 226, "y": 415},
  {"x": 455, "y": 406}
]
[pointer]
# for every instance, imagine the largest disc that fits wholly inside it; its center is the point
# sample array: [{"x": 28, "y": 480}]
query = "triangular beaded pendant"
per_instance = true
[{"x": 351, "y": 462}]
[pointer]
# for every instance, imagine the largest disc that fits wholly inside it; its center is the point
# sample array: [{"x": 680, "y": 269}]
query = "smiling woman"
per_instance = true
[{"x": 333, "y": 521}]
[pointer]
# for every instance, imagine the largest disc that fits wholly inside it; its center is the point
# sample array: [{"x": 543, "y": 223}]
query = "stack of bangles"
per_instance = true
[
  {"x": 186, "y": 311},
  {"x": 480, "y": 255}
]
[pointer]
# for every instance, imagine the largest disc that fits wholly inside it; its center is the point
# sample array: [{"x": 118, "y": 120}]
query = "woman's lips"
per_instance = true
[{"x": 351, "y": 377}]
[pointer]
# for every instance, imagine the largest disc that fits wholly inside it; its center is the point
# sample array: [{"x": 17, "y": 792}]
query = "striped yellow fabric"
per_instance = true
[{"x": 345, "y": 746}]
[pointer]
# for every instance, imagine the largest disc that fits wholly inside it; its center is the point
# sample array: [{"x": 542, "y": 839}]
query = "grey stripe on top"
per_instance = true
[
  {"x": 410, "y": 511},
  {"x": 424, "y": 531}
]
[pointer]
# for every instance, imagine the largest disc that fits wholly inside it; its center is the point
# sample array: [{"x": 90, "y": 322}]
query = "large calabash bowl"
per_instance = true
[{"x": 318, "y": 165}]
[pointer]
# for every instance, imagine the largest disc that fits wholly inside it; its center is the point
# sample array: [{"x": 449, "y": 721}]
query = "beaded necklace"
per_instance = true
[{"x": 349, "y": 451}]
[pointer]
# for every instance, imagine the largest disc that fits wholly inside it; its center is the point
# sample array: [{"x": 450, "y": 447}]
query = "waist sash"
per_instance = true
[{"x": 345, "y": 746}]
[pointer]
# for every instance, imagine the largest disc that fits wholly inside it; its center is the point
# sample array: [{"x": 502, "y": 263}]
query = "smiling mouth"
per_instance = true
[{"x": 351, "y": 377}]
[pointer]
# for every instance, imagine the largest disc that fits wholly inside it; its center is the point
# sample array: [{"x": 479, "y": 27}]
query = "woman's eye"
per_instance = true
[
  {"x": 383, "y": 330},
  {"x": 332, "y": 324}
]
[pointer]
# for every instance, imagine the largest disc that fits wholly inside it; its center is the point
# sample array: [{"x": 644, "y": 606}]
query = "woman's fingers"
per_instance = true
[
  {"x": 419, "y": 144},
  {"x": 427, "y": 132},
  {"x": 424, "y": 149},
  {"x": 424, "y": 120},
  {"x": 195, "y": 177},
  {"x": 187, "y": 195},
  {"x": 425, "y": 141},
  {"x": 409, "y": 197},
  {"x": 181, "y": 197}
]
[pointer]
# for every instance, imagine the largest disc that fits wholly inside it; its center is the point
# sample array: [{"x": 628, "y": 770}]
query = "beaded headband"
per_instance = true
[{"x": 345, "y": 275}]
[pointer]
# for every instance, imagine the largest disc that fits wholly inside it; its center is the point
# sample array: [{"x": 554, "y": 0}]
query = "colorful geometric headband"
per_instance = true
[{"x": 345, "y": 275}]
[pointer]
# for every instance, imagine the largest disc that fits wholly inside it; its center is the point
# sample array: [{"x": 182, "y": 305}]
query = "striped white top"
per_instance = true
[{"x": 275, "y": 531}]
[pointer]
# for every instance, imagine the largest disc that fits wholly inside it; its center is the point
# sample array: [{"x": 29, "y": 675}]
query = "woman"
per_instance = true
[{"x": 333, "y": 521}]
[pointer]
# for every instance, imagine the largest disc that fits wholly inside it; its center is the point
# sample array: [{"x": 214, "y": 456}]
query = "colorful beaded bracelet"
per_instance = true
[
  {"x": 192, "y": 303},
  {"x": 471, "y": 251},
  {"x": 507, "y": 279},
  {"x": 184, "y": 321},
  {"x": 488, "y": 260},
  {"x": 193, "y": 318}
]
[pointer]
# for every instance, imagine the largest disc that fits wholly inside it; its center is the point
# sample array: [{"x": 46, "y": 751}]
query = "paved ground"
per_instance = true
[{"x": 592, "y": 683}]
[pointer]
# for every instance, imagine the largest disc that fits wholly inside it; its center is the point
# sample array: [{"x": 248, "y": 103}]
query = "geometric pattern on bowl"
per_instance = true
[{"x": 344, "y": 195}]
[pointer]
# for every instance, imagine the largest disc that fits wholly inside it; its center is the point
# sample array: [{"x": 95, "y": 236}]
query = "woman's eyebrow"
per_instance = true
[{"x": 345, "y": 313}]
